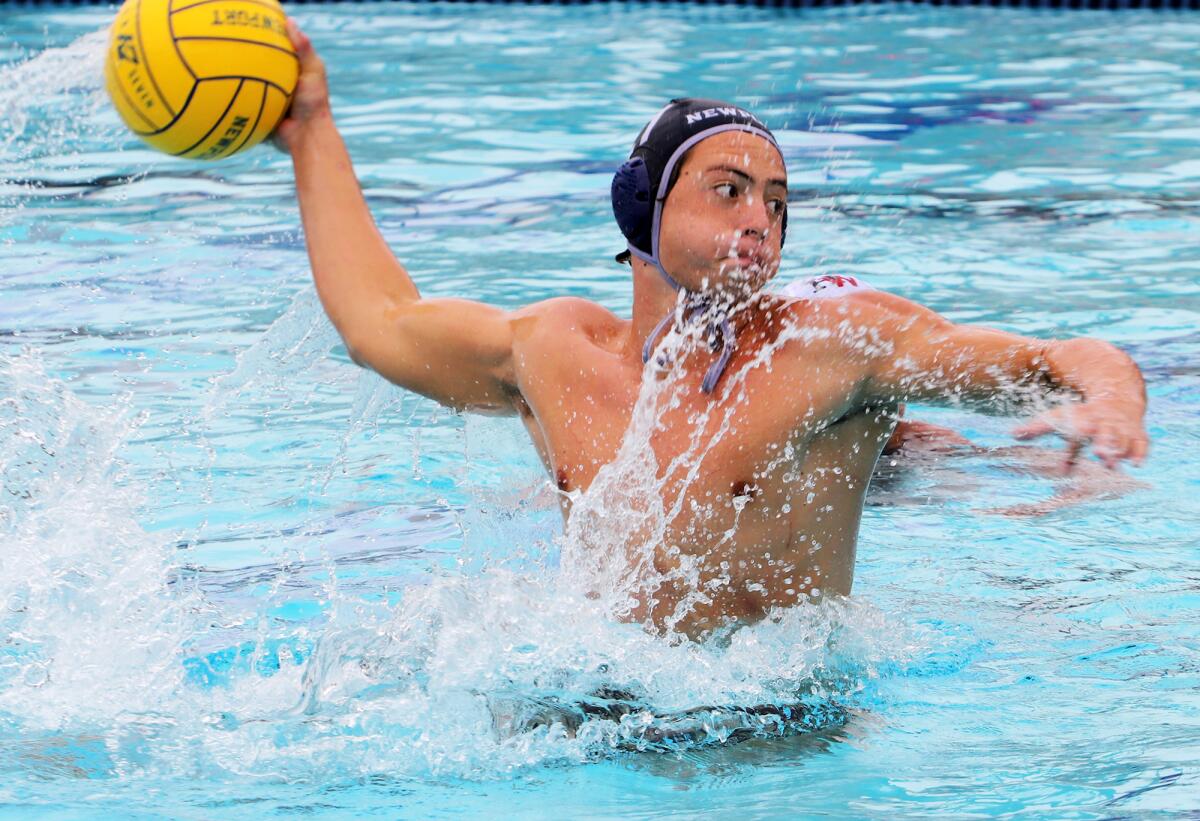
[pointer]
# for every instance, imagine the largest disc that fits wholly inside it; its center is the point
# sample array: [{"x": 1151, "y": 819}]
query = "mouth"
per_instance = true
[{"x": 747, "y": 259}]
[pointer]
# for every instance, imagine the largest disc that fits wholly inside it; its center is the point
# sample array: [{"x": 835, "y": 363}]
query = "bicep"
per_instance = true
[
  {"x": 937, "y": 361},
  {"x": 455, "y": 351}
]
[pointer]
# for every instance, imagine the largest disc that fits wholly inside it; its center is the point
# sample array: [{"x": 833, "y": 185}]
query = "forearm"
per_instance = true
[
  {"x": 1095, "y": 370},
  {"x": 938, "y": 361},
  {"x": 457, "y": 352},
  {"x": 357, "y": 277}
]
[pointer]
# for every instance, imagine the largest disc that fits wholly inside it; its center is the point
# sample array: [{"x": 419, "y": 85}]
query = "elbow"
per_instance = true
[
  {"x": 357, "y": 349},
  {"x": 366, "y": 336},
  {"x": 356, "y": 356},
  {"x": 366, "y": 322}
]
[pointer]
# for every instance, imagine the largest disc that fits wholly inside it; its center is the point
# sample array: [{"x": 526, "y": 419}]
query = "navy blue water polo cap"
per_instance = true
[
  {"x": 641, "y": 185},
  {"x": 640, "y": 188}
]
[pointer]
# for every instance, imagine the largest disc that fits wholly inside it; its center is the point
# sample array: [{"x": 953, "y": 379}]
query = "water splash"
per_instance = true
[
  {"x": 124, "y": 668},
  {"x": 298, "y": 338},
  {"x": 49, "y": 102},
  {"x": 619, "y": 533},
  {"x": 475, "y": 672},
  {"x": 90, "y": 629},
  {"x": 53, "y": 111}
]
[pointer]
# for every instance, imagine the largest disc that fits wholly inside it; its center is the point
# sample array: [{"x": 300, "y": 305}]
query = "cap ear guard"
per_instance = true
[
  {"x": 632, "y": 204},
  {"x": 783, "y": 226}
]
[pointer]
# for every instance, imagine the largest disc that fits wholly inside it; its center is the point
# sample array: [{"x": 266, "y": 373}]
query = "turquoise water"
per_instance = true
[{"x": 241, "y": 578}]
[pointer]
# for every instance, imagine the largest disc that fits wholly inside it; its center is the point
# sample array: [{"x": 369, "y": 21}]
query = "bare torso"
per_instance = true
[
  {"x": 784, "y": 450},
  {"x": 769, "y": 513}
]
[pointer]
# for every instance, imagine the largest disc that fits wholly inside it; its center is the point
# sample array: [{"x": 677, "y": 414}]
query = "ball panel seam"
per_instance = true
[
  {"x": 120, "y": 86},
  {"x": 250, "y": 132},
  {"x": 137, "y": 25},
  {"x": 182, "y": 110},
  {"x": 263, "y": 3},
  {"x": 270, "y": 83},
  {"x": 219, "y": 120},
  {"x": 171, "y": 29},
  {"x": 197, "y": 38}
]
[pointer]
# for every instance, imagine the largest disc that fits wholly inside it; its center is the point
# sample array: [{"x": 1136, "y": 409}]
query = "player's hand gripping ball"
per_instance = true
[{"x": 201, "y": 79}]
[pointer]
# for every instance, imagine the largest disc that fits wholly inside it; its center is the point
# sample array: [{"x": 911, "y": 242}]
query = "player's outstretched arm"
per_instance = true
[
  {"x": 924, "y": 357},
  {"x": 457, "y": 352}
]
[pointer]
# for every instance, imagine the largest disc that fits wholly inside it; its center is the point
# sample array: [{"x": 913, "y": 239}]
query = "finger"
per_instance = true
[
  {"x": 1141, "y": 447},
  {"x": 1129, "y": 446},
  {"x": 293, "y": 33},
  {"x": 1033, "y": 430},
  {"x": 1074, "y": 448},
  {"x": 1133, "y": 450},
  {"x": 1123, "y": 445},
  {"x": 1108, "y": 447},
  {"x": 304, "y": 48},
  {"x": 1107, "y": 457}
]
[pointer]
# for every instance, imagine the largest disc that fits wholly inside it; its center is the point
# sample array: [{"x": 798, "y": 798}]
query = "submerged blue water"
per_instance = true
[{"x": 240, "y": 577}]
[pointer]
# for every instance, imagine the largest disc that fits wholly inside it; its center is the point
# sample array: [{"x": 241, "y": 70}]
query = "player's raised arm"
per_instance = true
[
  {"x": 925, "y": 357},
  {"x": 455, "y": 351}
]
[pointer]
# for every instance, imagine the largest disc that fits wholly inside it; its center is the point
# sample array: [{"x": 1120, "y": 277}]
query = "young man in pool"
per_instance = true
[{"x": 809, "y": 383}]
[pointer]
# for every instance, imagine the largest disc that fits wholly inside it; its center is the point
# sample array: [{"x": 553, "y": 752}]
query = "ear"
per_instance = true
[{"x": 631, "y": 202}]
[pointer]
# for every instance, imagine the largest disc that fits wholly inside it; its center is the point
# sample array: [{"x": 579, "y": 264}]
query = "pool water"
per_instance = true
[{"x": 240, "y": 577}]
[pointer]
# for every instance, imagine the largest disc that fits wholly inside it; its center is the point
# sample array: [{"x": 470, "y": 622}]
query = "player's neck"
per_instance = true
[{"x": 653, "y": 299}]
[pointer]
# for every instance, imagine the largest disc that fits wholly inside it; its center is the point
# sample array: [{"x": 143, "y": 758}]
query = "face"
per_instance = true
[{"x": 722, "y": 222}]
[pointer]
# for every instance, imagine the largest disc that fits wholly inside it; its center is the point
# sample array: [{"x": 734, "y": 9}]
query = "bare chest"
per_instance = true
[{"x": 751, "y": 433}]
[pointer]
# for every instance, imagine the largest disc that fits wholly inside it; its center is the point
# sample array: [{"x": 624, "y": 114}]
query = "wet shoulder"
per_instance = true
[
  {"x": 847, "y": 312},
  {"x": 563, "y": 319},
  {"x": 845, "y": 296}
]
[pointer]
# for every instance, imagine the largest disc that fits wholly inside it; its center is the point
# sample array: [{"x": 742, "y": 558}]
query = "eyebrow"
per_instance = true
[{"x": 731, "y": 170}]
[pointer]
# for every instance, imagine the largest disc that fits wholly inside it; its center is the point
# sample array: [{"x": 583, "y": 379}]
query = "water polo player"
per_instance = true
[{"x": 770, "y": 410}]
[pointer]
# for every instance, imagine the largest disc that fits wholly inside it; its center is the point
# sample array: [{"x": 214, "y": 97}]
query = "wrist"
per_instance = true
[
  {"x": 1098, "y": 372},
  {"x": 298, "y": 132},
  {"x": 1122, "y": 404}
]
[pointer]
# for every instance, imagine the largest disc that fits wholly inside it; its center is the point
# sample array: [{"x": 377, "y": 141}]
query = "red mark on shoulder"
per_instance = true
[{"x": 838, "y": 280}]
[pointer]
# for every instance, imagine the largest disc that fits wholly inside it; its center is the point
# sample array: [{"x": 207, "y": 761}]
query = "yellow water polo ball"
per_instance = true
[{"x": 201, "y": 79}]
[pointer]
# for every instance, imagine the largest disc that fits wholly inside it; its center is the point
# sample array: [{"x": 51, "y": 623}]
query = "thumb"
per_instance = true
[
  {"x": 1058, "y": 421},
  {"x": 309, "y": 62}
]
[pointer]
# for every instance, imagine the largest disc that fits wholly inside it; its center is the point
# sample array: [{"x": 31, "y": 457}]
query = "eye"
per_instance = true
[
  {"x": 726, "y": 189},
  {"x": 776, "y": 206}
]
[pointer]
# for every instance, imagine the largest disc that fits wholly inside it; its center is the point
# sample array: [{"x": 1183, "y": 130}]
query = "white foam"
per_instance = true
[{"x": 104, "y": 639}]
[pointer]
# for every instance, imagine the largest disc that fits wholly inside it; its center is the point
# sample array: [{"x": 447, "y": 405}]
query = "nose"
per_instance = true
[{"x": 756, "y": 219}]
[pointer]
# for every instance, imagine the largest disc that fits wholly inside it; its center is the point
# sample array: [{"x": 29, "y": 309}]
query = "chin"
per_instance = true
[{"x": 750, "y": 279}]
